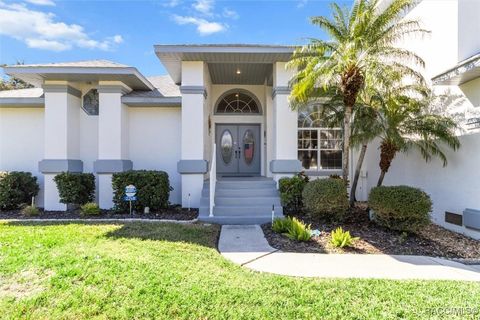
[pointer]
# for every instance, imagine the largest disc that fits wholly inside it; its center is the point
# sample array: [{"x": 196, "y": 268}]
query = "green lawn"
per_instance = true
[{"x": 168, "y": 271}]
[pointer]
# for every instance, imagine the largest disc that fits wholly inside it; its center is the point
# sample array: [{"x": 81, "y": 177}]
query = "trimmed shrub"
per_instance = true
[
  {"x": 30, "y": 211},
  {"x": 401, "y": 208},
  {"x": 341, "y": 238},
  {"x": 75, "y": 188},
  {"x": 153, "y": 189},
  {"x": 298, "y": 230},
  {"x": 17, "y": 189},
  {"x": 90, "y": 209},
  {"x": 326, "y": 198},
  {"x": 291, "y": 192}
]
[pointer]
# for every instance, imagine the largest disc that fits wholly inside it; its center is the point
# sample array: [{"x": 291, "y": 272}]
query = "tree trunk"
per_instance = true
[
  {"x": 388, "y": 150},
  {"x": 353, "y": 198},
  {"x": 346, "y": 141},
  {"x": 380, "y": 179}
]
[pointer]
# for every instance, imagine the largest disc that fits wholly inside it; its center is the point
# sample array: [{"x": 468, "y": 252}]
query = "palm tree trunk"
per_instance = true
[
  {"x": 380, "y": 179},
  {"x": 388, "y": 150},
  {"x": 346, "y": 141},
  {"x": 353, "y": 198}
]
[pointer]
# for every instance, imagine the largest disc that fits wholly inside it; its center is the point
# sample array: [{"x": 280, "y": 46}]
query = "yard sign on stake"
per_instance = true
[{"x": 130, "y": 195}]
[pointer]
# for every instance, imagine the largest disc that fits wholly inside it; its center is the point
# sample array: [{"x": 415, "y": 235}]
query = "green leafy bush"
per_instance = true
[
  {"x": 30, "y": 211},
  {"x": 90, "y": 209},
  {"x": 153, "y": 189},
  {"x": 298, "y": 230},
  {"x": 75, "y": 188},
  {"x": 17, "y": 189},
  {"x": 400, "y": 208},
  {"x": 326, "y": 198},
  {"x": 281, "y": 225},
  {"x": 291, "y": 192},
  {"x": 341, "y": 238}
]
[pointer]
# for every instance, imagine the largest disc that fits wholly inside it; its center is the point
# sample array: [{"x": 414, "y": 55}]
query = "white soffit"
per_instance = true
[{"x": 465, "y": 71}]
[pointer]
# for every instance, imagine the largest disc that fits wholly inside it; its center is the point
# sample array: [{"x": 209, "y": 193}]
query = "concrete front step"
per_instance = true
[
  {"x": 242, "y": 193},
  {"x": 247, "y": 211},
  {"x": 230, "y": 220},
  {"x": 242, "y": 201}
]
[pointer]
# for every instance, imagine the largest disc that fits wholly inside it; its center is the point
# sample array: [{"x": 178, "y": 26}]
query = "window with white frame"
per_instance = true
[{"x": 319, "y": 147}]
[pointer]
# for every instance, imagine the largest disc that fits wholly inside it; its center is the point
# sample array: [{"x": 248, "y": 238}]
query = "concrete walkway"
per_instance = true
[{"x": 247, "y": 246}]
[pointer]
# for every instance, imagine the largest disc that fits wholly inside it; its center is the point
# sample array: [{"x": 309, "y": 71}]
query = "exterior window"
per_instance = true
[
  {"x": 238, "y": 102},
  {"x": 319, "y": 147},
  {"x": 91, "y": 102}
]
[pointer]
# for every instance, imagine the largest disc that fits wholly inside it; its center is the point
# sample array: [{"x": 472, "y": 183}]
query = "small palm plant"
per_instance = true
[
  {"x": 406, "y": 124},
  {"x": 342, "y": 239}
]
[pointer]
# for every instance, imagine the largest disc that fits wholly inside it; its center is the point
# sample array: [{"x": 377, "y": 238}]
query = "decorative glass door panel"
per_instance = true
[{"x": 238, "y": 149}]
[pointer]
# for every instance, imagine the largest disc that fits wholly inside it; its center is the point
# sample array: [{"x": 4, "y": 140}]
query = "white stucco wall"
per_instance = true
[
  {"x": 468, "y": 28},
  {"x": 155, "y": 142},
  {"x": 452, "y": 188},
  {"x": 21, "y": 142}
]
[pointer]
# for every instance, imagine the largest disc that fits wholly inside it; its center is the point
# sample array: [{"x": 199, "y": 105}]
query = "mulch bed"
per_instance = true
[
  {"x": 433, "y": 240},
  {"x": 171, "y": 213}
]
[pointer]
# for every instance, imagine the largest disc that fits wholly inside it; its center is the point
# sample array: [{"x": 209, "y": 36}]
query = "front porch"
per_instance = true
[{"x": 237, "y": 121}]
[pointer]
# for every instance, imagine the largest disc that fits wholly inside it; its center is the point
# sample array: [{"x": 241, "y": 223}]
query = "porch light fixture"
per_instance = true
[{"x": 238, "y": 71}]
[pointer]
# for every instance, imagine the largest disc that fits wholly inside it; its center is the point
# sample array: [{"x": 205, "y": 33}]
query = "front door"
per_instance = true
[{"x": 238, "y": 149}]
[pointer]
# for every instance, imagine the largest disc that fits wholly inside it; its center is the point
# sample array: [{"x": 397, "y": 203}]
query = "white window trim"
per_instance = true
[{"x": 318, "y": 150}]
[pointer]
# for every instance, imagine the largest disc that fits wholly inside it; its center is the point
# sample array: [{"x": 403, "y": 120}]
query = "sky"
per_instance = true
[{"x": 45, "y": 31}]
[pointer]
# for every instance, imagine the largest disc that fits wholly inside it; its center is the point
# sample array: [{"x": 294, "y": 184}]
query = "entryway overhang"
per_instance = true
[{"x": 227, "y": 64}]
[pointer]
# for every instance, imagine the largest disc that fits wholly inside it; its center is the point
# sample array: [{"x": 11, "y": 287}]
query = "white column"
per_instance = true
[
  {"x": 112, "y": 139},
  {"x": 193, "y": 165},
  {"x": 61, "y": 150},
  {"x": 285, "y": 160}
]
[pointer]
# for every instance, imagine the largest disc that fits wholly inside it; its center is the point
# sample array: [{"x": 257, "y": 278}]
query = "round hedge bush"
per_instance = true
[
  {"x": 401, "y": 208},
  {"x": 17, "y": 189},
  {"x": 326, "y": 198}
]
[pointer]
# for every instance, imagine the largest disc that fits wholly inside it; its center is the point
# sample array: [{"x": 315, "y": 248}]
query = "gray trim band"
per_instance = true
[
  {"x": 194, "y": 90},
  {"x": 323, "y": 173},
  {"x": 192, "y": 166},
  {"x": 62, "y": 88},
  {"x": 112, "y": 166},
  {"x": 280, "y": 90},
  {"x": 22, "y": 102},
  {"x": 471, "y": 219},
  {"x": 152, "y": 102},
  {"x": 285, "y": 166},
  {"x": 113, "y": 89},
  {"x": 60, "y": 165}
]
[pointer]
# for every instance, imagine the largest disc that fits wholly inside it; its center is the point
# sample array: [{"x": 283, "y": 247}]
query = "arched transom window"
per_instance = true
[{"x": 238, "y": 101}]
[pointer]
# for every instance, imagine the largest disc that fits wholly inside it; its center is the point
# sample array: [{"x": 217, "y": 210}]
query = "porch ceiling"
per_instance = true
[
  {"x": 253, "y": 73},
  {"x": 224, "y": 59}
]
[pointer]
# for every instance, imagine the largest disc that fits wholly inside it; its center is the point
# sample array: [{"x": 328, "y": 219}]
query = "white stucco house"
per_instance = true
[{"x": 104, "y": 117}]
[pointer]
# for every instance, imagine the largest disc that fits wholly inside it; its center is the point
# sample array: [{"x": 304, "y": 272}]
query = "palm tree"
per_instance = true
[
  {"x": 360, "y": 51},
  {"x": 406, "y": 124}
]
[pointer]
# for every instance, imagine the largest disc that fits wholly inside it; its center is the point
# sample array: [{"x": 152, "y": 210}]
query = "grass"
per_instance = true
[{"x": 170, "y": 271}]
